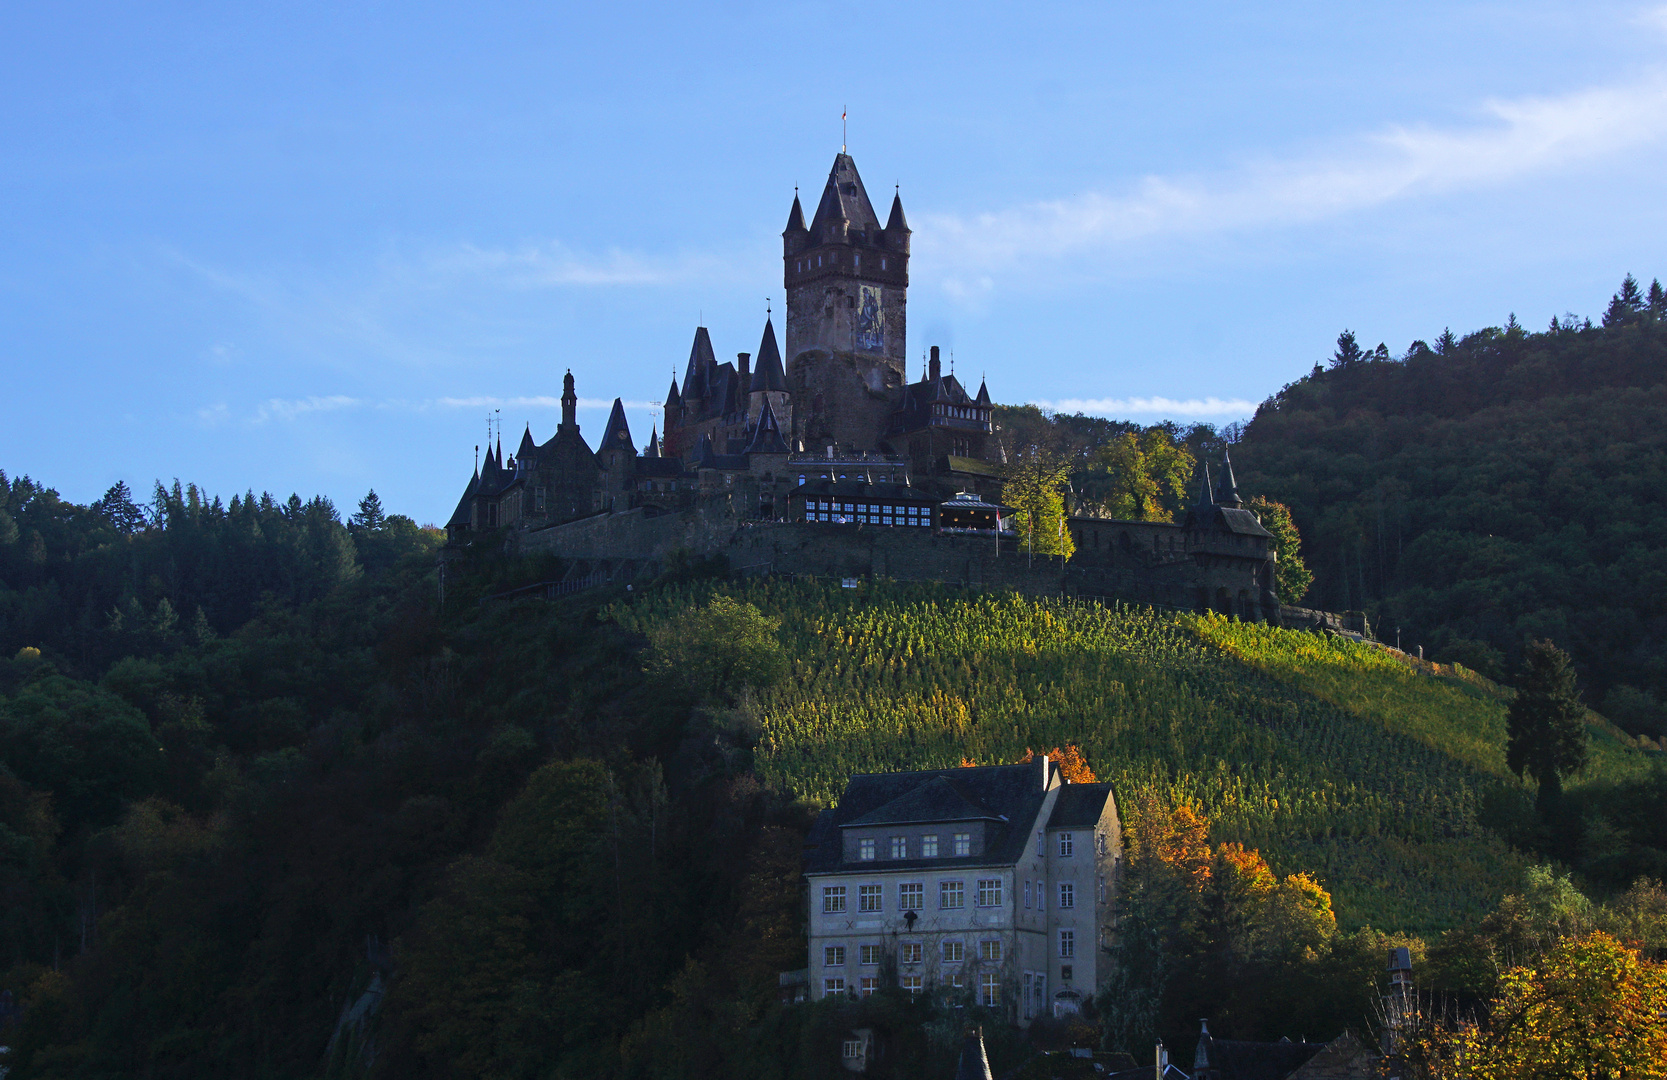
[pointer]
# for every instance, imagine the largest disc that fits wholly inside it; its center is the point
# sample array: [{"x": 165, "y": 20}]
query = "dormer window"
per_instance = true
[{"x": 865, "y": 850}]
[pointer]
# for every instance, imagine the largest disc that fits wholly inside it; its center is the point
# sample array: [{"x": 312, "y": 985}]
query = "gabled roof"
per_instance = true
[
  {"x": 1240, "y": 522},
  {"x": 843, "y": 199},
  {"x": 617, "y": 435},
  {"x": 766, "y": 436},
  {"x": 1233, "y": 1059},
  {"x": 767, "y": 374},
  {"x": 1079, "y": 806},
  {"x": 934, "y": 802}
]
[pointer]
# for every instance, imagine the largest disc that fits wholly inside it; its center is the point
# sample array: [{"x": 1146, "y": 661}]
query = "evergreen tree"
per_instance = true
[
  {"x": 1348, "y": 351},
  {"x": 1446, "y": 344},
  {"x": 1658, "y": 299},
  {"x": 120, "y": 510},
  {"x": 370, "y": 517},
  {"x": 1546, "y": 722},
  {"x": 1291, "y": 576},
  {"x": 1626, "y": 305}
]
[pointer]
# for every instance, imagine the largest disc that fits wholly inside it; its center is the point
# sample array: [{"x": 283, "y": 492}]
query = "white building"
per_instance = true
[{"x": 998, "y": 881}]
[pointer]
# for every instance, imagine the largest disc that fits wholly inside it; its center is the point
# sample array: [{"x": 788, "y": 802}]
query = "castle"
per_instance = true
[
  {"x": 741, "y": 429},
  {"x": 827, "y": 461}
]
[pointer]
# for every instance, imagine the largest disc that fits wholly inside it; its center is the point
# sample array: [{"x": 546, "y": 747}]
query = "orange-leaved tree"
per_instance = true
[{"x": 1072, "y": 765}]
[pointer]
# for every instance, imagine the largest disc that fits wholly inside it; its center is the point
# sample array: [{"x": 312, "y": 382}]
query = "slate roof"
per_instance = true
[
  {"x": 460, "y": 516},
  {"x": 1232, "y": 1059},
  {"x": 1079, "y": 806},
  {"x": 701, "y": 358},
  {"x": 1013, "y": 792},
  {"x": 661, "y": 467},
  {"x": 843, "y": 199},
  {"x": 795, "y": 216},
  {"x": 937, "y": 800},
  {"x": 766, "y": 436},
  {"x": 529, "y": 449},
  {"x": 1242, "y": 522},
  {"x": 617, "y": 435},
  {"x": 1229, "y": 493},
  {"x": 896, "y": 222},
  {"x": 768, "y": 373}
]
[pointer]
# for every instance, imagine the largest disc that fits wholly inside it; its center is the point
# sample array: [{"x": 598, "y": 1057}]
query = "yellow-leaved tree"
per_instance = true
[{"x": 1035, "y": 489}]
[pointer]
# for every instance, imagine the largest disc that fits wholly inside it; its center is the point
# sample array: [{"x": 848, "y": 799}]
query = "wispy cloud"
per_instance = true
[
  {"x": 281, "y": 409},
  {"x": 1511, "y": 139},
  {"x": 540, "y": 402},
  {"x": 556, "y": 265},
  {"x": 1152, "y": 406}
]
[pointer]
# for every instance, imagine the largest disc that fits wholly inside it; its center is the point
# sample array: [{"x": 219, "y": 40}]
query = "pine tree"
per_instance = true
[
  {"x": 1626, "y": 305},
  {"x": 370, "y": 517},
  {"x": 1546, "y": 723},
  {"x": 1658, "y": 300},
  {"x": 1446, "y": 344},
  {"x": 1348, "y": 351},
  {"x": 120, "y": 510}
]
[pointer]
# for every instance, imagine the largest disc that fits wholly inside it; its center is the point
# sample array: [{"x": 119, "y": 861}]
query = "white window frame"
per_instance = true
[
  {"x": 989, "y": 989},
  {"x": 1067, "y": 895},
  {"x": 963, "y": 844},
  {"x": 1028, "y": 904},
  {"x": 910, "y": 952},
  {"x": 912, "y": 982},
  {"x": 833, "y": 956},
  {"x": 871, "y": 897},
  {"x": 865, "y": 849},
  {"x": 991, "y": 950},
  {"x": 868, "y": 985},
  {"x": 868, "y": 955},
  {"x": 954, "y": 952},
  {"x": 830, "y": 987},
  {"x": 916, "y": 889},
  {"x": 1067, "y": 944},
  {"x": 1067, "y": 844},
  {"x": 833, "y": 899},
  {"x": 900, "y": 847},
  {"x": 929, "y": 846},
  {"x": 989, "y": 892},
  {"x": 952, "y": 889}
]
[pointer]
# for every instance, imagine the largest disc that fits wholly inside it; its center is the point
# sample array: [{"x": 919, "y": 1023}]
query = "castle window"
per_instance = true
[
  {"x": 1067, "y": 944},
  {"x": 989, "y": 950},
  {"x": 1028, "y": 904},
  {"x": 929, "y": 846},
  {"x": 899, "y": 847},
  {"x": 953, "y": 952},
  {"x": 833, "y": 899},
  {"x": 865, "y": 849},
  {"x": 911, "y": 896},
  {"x": 833, "y": 956},
  {"x": 868, "y": 897},
  {"x": 963, "y": 843},
  {"x": 1066, "y": 844},
  {"x": 989, "y": 989},
  {"x": 1067, "y": 895},
  {"x": 989, "y": 892},
  {"x": 868, "y": 985},
  {"x": 911, "y": 983},
  {"x": 951, "y": 895},
  {"x": 868, "y": 955},
  {"x": 834, "y": 988},
  {"x": 910, "y": 952}
]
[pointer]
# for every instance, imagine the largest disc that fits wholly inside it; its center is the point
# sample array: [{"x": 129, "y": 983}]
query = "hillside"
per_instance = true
[
  {"x": 1325, "y": 754},
  {"x": 1489, "y": 489}
]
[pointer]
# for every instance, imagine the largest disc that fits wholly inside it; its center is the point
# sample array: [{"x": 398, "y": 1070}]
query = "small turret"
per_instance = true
[
  {"x": 1206, "y": 495},
  {"x": 983, "y": 393},
  {"x": 569, "y": 404},
  {"x": 1229, "y": 494},
  {"x": 674, "y": 400},
  {"x": 897, "y": 227},
  {"x": 618, "y": 432},
  {"x": 528, "y": 449},
  {"x": 768, "y": 375},
  {"x": 653, "y": 443},
  {"x": 766, "y": 435},
  {"x": 796, "y": 236}
]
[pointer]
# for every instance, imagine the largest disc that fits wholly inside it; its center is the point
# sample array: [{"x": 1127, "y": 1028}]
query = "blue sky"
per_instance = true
[{"x": 309, "y": 247}]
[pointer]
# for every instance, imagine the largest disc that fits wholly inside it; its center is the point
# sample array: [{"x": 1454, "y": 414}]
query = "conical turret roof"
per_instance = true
[
  {"x": 653, "y": 443},
  {"x": 768, "y": 373},
  {"x": 896, "y": 222},
  {"x": 1206, "y": 495},
  {"x": 1229, "y": 493},
  {"x": 461, "y": 515},
  {"x": 843, "y": 200},
  {"x": 674, "y": 400},
  {"x": 983, "y": 393},
  {"x": 701, "y": 361},
  {"x": 766, "y": 436},
  {"x": 618, "y": 433},
  {"x": 795, "y": 217},
  {"x": 528, "y": 448}
]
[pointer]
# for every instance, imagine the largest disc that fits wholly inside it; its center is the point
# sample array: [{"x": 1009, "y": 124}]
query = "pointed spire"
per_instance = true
[
  {"x": 701, "y": 361},
  {"x": 844, "y": 205},
  {"x": 1229, "y": 494},
  {"x": 617, "y": 436},
  {"x": 983, "y": 393},
  {"x": 766, "y": 435},
  {"x": 674, "y": 400},
  {"x": 528, "y": 448},
  {"x": 795, "y": 216},
  {"x": 768, "y": 373},
  {"x": 1206, "y": 496},
  {"x": 653, "y": 443},
  {"x": 896, "y": 222}
]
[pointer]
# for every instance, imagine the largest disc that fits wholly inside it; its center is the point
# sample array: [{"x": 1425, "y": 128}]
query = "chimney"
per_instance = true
[
  {"x": 935, "y": 371},
  {"x": 741, "y": 362},
  {"x": 1160, "y": 1061}
]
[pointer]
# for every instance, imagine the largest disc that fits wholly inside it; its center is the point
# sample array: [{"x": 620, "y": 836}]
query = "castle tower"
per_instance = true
[
  {"x": 767, "y": 388},
  {"x": 847, "y": 279}
]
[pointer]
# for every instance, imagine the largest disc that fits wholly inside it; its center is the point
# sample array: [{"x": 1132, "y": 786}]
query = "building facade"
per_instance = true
[{"x": 996, "y": 883}]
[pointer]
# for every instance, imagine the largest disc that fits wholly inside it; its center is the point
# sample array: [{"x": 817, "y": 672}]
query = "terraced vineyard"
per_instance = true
[{"x": 1328, "y": 755}]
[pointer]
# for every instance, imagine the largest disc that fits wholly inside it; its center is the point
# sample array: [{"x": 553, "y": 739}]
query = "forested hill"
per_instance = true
[{"x": 1482, "y": 491}]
